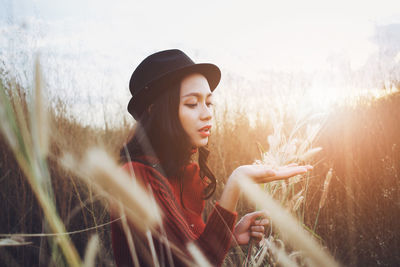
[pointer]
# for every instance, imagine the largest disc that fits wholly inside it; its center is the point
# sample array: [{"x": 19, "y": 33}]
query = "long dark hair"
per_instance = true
[{"x": 159, "y": 133}]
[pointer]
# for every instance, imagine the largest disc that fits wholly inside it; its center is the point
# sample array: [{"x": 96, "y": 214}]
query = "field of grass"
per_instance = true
[{"x": 357, "y": 223}]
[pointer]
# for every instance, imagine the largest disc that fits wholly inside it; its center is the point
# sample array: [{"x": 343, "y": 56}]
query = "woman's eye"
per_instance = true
[{"x": 191, "y": 105}]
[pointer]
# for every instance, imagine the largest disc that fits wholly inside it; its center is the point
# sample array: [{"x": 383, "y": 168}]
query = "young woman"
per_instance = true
[{"x": 172, "y": 104}]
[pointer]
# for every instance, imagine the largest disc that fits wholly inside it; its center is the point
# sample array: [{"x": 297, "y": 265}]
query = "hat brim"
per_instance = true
[{"x": 148, "y": 94}]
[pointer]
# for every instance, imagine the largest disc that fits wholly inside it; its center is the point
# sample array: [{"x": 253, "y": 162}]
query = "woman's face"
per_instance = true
[{"x": 195, "y": 108}]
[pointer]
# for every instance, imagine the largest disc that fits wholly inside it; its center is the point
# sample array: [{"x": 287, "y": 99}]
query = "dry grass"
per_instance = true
[{"x": 350, "y": 199}]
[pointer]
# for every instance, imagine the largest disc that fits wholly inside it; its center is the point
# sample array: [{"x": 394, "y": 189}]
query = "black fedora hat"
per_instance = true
[{"x": 158, "y": 71}]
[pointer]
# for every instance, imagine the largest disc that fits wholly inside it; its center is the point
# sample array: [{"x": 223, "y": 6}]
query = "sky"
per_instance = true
[{"x": 97, "y": 44}]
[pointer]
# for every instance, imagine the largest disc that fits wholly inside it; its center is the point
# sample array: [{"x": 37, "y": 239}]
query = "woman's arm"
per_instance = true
[
  {"x": 253, "y": 224},
  {"x": 259, "y": 174}
]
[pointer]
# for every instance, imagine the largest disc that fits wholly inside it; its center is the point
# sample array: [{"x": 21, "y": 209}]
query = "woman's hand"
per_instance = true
[
  {"x": 259, "y": 174},
  {"x": 263, "y": 174},
  {"x": 251, "y": 225}
]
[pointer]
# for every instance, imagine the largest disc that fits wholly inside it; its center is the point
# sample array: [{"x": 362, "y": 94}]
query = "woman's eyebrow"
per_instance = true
[{"x": 197, "y": 95}]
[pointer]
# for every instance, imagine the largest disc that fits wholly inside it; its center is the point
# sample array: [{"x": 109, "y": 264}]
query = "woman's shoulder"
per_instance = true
[
  {"x": 136, "y": 167},
  {"x": 141, "y": 163},
  {"x": 149, "y": 173}
]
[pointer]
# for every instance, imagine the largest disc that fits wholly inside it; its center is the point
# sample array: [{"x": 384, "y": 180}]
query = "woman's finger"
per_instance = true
[
  {"x": 257, "y": 235},
  {"x": 256, "y": 214},
  {"x": 258, "y": 228},
  {"x": 258, "y": 171},
  {"x": 263, "y": 222},
  {"x": 289, "y": 172},
  {"x": 265, "y": 174},
  {"x": 287, "y": 167}
]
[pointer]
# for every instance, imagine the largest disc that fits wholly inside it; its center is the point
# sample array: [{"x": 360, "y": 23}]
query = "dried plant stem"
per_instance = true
[
  {"x": 91, "y": 251},
  {"x": 198, "y": 256},
  {"x": 287, "y": 225},
  {"x": 128, "y": 235},
  {"x": 249, "y": 252},
  {"x": 152, "y": 248},
  {"x": 54, "y": 221},
  {"x": 324, "y": 195},
  {"x": 316, "y": 220},
  {"x": 281, "y": 257},
  {"x": 30, "y": 156}
]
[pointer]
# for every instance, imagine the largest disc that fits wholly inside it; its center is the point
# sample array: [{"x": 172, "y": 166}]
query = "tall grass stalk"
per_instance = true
[
  {"x": 31, "y": 154},
  {"x": 288, "y": 227},
  {"x": 129, "y": 238},
  {"x": 100, "y": 170},
  {"x": 198, "y": 256},
  {"x": 281, "y": 257},
  {"x": 323, "y": 196},
  {"x": 91, "y": 251},
  {"x": 287, "y": 148}
]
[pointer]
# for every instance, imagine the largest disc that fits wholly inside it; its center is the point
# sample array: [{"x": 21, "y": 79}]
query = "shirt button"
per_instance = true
[{"x": 192, "y": 225}]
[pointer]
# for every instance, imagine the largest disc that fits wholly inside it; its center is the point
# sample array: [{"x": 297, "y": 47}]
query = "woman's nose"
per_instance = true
[{"x": 206, "y": 112}]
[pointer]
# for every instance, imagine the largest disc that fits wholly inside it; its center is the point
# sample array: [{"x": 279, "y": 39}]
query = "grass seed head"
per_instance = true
[
  {"x": 325, "y": 190},
  {"x": 99, "y": 170},
  {"x": 287, "y": 225}
]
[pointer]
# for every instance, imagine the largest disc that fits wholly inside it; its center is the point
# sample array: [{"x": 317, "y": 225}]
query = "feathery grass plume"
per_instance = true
[
  {"x": 312, "y": 131},
  {"x": 297, "y": 257},
  {"x": 281, "y": 257},
  {"x": 91, "y": 251},
  {"x": 309, "y": 154},
  {"x": 34, "y": 166},
  {"x": 325, "y": 190},
  {"x": 198, "y": 256},
  {"x": 288, "y": 227},
  {"x": 98, "y": 169},
  {"x": 288, "y": 146},
  {"x": 286, "y": 150}
]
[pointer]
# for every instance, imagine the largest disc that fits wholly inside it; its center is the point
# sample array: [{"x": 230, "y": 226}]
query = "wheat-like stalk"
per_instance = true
[
  {"x": 281, "y": 256},
  {"x": 30, "y": 154},
  {"x": 288, "y": 227},
  {"x": 100, "y": 171},
  {"x": 198, "y": 256},
  {"x": 325, "y": 190},
  {"x": 91, "y": 251},
  {"x": 298, "y": 202}
]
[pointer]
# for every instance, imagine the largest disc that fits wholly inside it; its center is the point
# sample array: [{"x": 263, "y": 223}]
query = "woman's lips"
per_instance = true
[
  {"x": 205, "y": 134},
  {"x": 205, "y": 131}
]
